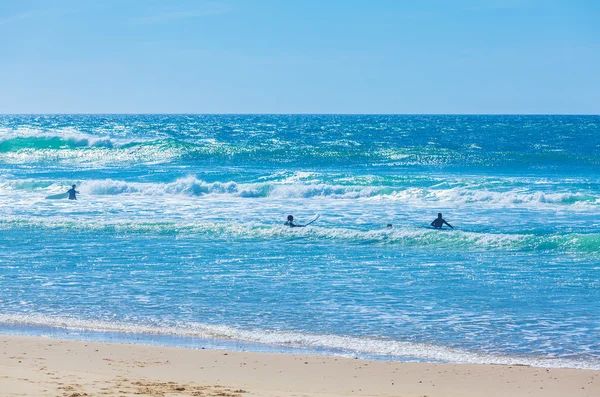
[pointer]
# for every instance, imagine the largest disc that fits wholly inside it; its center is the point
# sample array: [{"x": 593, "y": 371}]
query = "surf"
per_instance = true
[
  {"x": 184, "y": 214},
  {"x": 315, "y": 186},
  {"x": 415, "y": 237},
  {"x": 367, "y": 347}
]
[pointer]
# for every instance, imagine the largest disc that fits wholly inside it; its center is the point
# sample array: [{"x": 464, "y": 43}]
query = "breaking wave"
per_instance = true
[
  {"x": 334, "y": 344},
  {"x": 290, "y": 188},
  {"x": 12, "y": 140}
]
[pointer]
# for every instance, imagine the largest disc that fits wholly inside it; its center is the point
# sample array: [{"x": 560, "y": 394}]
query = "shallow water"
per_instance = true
[{"x": 177, "y": 233}]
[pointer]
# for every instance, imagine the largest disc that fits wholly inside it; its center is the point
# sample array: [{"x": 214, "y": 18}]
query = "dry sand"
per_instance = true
[{"x": 37, "y": 367}]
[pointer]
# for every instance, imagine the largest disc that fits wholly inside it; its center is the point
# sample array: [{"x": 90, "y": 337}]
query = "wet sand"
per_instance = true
[{"x": 39, "y": 367}]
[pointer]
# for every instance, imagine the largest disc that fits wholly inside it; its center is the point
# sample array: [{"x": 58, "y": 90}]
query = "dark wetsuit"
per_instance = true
[
  {"x": 439, "y": 222},
  {"x": 72, "y": 194},
  {"x": 292, "y": 224}
]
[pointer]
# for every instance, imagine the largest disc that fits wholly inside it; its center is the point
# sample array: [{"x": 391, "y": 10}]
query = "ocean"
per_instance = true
[{"x": 177, "y": 235}]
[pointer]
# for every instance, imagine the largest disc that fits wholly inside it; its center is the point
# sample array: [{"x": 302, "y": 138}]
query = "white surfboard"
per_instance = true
[
  {"x": 311, "y": 220},
  {"x": 58, "y": 196}
]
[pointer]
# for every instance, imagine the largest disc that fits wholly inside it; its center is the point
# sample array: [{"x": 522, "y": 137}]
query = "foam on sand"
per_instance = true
[{"x": 335, "y": 344}]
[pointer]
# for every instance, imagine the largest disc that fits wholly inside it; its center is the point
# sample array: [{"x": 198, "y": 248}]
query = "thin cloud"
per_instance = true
[
  {"x": 17, "y": 17},
  {"x": 206, "y": 10}
]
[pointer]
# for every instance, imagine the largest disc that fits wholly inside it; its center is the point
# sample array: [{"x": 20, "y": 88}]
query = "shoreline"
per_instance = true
[
  {"x": 41, "y": 366},
  {"x": 347, "y": 347}
]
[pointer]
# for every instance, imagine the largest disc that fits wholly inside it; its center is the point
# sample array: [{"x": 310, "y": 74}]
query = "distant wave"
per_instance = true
[
  {"x": 340, "y": 344},
  {"x": 38, "y": 146},
  {"x": 20, "y": 147},
  {"x": 410, "y": 237},
  {"x": 32, "y": 141},
  {"x": 81, "y": 149},
  {"x": 14, "y": 141},
  {"x": 77, "y": 147}
]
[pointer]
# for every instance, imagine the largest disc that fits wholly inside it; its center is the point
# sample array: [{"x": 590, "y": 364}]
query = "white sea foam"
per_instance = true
[
  {"x": 319, "y": 195},
  {"x": 347, "y": 345},
  {"x": 191, "y": 186}
]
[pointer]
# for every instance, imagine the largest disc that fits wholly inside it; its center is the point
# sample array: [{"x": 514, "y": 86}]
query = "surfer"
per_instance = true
[
  {"x": 72, "y": 193},
  {"x": 439, "y": 222},
  {"x": 290, "y": 222}
]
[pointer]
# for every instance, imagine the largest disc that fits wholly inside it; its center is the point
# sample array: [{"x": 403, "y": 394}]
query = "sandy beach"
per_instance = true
[{"x": 35, "y": 366}]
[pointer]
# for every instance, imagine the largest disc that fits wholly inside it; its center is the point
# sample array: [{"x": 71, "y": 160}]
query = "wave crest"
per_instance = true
[{"x": 290, "y": 188}]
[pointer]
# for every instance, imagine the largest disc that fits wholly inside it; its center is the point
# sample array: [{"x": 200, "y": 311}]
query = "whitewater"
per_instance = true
[{"x": 177, "y": 236}]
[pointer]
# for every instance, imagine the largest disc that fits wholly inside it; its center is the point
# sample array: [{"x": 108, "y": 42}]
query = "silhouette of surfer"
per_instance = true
[
  {"x": 290, "y": 222},
  {"x": 439, "y": 222},
  {"x": 72, "y": 193}
]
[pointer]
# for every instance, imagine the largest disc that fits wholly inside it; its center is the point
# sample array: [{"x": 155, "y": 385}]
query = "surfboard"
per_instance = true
[
  {"x": 58, "y": 196},
  {"x": 311, "y": 220},
  {"x": 436, "y": 228}
]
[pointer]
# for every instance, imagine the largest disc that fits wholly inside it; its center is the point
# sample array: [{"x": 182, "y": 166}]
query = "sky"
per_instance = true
[{"x": 300, "y": 56}]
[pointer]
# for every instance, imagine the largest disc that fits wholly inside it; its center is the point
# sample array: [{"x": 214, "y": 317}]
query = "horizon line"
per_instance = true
[{"x": 289, "y": 114}]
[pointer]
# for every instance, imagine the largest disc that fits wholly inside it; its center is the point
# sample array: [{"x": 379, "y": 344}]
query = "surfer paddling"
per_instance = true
[
  {"x": 439, "y": 222},
  {"x": 72, "y": 193},
  {"x": 290, "y": 221}
]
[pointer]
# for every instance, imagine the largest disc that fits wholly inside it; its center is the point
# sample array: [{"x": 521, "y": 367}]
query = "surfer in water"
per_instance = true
[
  {"x": 290, "y": 222},
  {"x": 439, "y": 222},
  {"x": 72, "y": 193}
]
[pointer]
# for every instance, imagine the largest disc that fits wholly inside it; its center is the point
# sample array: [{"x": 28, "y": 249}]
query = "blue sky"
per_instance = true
[{"x": 300, "y": 56}]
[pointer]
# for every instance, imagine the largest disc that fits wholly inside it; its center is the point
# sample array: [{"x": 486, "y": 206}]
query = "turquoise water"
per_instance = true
[{"x": 178, "y": 238}]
